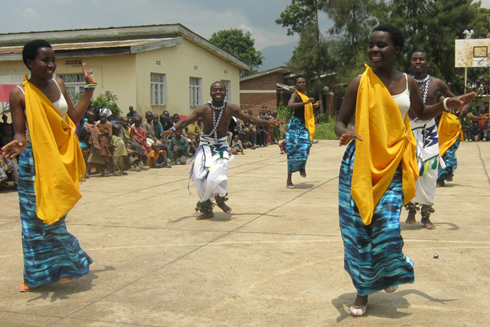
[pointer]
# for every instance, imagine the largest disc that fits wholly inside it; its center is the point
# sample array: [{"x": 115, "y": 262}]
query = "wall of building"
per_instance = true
[
  {"x": 260, "y": 91},
  {"x": 180, "y": 63},
  {"x": 128, "y": 76}
]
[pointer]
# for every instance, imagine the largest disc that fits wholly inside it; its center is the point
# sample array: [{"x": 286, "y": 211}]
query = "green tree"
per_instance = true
[
  {"x": 106, "y": 100},
  {"x": 311, "y": 56},
  {"x": 433, "y": 26},
  {"x": 240, "y": 45}
]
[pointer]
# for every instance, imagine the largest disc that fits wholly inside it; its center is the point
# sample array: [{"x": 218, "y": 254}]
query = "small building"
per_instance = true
[
  {"x": 152, "y": 68},
  {"x": 273, "y": 88}
]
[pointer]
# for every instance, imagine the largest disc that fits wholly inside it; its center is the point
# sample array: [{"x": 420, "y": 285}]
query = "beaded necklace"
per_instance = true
[
  {"x": 216, "y": 120},
  {"x": 425, "y": 81}
]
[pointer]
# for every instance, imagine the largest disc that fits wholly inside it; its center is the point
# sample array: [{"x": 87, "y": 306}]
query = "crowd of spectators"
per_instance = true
[{"x": 114, "y": 144}]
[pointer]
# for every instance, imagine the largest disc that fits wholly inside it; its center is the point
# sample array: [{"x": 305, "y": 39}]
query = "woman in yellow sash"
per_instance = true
[
  {"x": 51, "y": 167},
  {"x": 378, "y": 170},
  {"x": 300, "y": 130}
]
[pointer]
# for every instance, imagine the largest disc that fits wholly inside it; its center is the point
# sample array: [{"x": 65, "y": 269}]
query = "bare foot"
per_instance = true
[
  {"x": 205, "y": 216},
  {"x": 427, "y": 223},
  {"x": 411, "y": 217}
]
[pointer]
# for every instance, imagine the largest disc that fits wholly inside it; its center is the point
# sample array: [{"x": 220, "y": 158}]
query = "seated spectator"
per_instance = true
[
  {"x": 138, "y": 135},
  {"x": 192, "y": 130},
  {"x": 157, "y": 128},
  {"x": 157, "y": 158},
  {"x": 178, "y": 149},
  {"x": 131, "y": 112},
  {"x": 148, "y": 127},
  {"x": 475, "y": 132},
  {"x": 119, "y": 152},
  {"x": 194, "y": 144},
  {"x": 236, "y": 145}
]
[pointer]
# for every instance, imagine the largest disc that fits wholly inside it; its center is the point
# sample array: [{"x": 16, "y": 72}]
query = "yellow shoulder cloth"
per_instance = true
[
  {"x": 57, "y": 155},
  {"x": 387, "y": 140}
]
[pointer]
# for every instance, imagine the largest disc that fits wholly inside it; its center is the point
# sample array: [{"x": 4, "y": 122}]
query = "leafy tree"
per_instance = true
[
  {"x": 106, "y": 100},
  {"x": 433, "y": 26},
  {"x": 311, "y": 56},
  {"x": 240, "y": 45}
]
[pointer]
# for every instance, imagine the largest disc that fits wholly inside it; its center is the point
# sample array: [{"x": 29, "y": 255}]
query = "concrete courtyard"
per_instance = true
[{"x": 277, "y": 260}]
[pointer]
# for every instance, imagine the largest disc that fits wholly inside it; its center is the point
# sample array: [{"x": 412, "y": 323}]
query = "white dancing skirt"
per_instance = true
[
  {"x": 210, "y": 169},
  {"x": 425, "y": 132}
]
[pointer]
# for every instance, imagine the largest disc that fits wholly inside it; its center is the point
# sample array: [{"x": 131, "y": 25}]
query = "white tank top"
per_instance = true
[
  {"x": 403, "y": 99},
  {"x": 61, "y": 105}
]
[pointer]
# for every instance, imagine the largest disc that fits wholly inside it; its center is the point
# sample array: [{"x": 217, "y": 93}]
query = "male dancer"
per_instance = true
[
  {"x": 425, "y": 132},
  {"x": 210, "y": 169}
]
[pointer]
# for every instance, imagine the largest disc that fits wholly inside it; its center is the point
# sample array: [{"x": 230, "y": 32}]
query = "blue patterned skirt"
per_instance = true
[
  {"x": 50, "y": 252},
  {"x": 450, "y": 160},
  {"x": 373, "y": 254},
  {"x": 298, "y": 144}
]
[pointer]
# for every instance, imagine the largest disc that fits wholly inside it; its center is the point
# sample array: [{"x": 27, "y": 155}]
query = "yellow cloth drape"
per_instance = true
[
  {"x": 309, "y": 117},
  {"x": 57, "y": 155},
  {"x": 449, "y": 129},
  {"x": 387, "y": 141}
]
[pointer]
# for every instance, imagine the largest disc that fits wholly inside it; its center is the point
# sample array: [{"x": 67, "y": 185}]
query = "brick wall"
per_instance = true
[{"x": 255, "y": 101}]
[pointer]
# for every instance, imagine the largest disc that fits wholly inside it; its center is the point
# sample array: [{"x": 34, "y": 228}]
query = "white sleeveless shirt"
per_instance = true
[
  {"x": 403, "y": 99},
  {"x": 61, "y": 105}
]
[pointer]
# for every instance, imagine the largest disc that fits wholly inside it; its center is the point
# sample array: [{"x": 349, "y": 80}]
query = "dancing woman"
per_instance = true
[
  {"x": 378, "y": 170},
  {"x": 300, "y": 130},
  {"x": 44, "y": 121}
]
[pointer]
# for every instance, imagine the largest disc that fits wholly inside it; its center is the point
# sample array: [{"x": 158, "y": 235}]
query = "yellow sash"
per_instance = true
[
  {"x": 449, "y": 129},
  {"x": 57, "y": 156},
  {"x": 309, "y": 117},
  {"x": 387, "y": 141}
]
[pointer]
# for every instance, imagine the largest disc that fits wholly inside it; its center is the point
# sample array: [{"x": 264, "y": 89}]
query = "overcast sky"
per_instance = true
[{"x": 203, "y": 17}]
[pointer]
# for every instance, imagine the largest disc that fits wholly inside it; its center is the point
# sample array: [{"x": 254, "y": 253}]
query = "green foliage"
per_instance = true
[
  {"x": 296, "y": 16},
  {"x": 284, "y": 113},
  {"x": 107, "y": 100},
  {"x": 321, "y": 118},
  {"x": 433, "y": 27},
  {"x": 240, "y": 45},
  {"x": 429, "y": 25},
  {"x": 325, "y": 131}
]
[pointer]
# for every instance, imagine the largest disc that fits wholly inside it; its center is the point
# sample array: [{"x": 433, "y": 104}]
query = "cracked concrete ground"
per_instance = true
[{"x": 277, "y": 260}]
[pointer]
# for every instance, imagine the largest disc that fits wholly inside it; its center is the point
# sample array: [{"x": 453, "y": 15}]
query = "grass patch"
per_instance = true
[{"x": 324, "y": 131}]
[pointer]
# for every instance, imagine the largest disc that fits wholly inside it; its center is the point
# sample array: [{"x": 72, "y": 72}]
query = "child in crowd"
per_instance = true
[
  {"x": 178, "y": 148},
  {"x": 236, "y": 145},
  {"x": 194, "y": 145},
  {"x": 97, "y": 153},
  {"x": 105, "y": 130},
  {"x": 119, "y": 152},
  {"x": 138, "y": 134},
  {"x": 157, "y": 158},
  {"x": 475, "y": 132}
]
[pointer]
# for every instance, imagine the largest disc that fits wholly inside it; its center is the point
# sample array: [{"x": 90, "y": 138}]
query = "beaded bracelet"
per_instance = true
[{"x": 91, "y": 86}]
